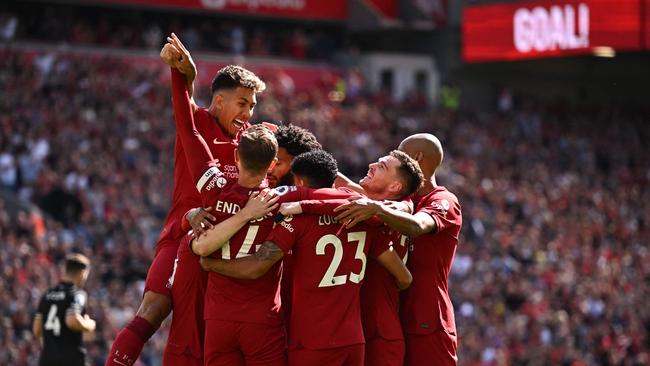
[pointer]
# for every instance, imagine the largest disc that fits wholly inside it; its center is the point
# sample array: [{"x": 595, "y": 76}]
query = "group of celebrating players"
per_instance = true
[{"x": 264, "y": 262}]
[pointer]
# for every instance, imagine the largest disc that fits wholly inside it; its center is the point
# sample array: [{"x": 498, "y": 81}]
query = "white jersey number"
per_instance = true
[
  {"x": 246, "y": 245},
  {"x": 329, "y": 279},
  {"x": 52, "y": 322},
  {"x": 402, "y": 242}
]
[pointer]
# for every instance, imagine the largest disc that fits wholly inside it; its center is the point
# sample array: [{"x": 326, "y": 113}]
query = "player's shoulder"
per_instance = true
[
  {"x": 296, "y": 223},
  {"x": 282, "y": 190},
  {"x": 201, "y": 111},
  {"x": 440, "y": 195}
]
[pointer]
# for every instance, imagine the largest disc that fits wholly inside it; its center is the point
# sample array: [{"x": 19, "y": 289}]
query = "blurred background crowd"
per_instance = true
[{"x": 554, "y": 252}]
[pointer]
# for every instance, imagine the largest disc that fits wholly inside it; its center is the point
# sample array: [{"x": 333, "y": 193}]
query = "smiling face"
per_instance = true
[
  {"x": 382, "y": 180},
  {"x": 233, "y": 108}
]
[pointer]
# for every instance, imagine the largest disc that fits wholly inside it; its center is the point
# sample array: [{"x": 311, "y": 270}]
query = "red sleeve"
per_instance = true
[
  {"x": 197, "y": 153},
  {"x": 326, "y": 207},
  {"x": 284, "y": 234},
  {"x": 381, "y": 242},
  {"x": 321, "y": 207},
  {"x": 445, "y": 211},
  {"x": 293, "y": 193},
  {"x": 185, "y": 224}
]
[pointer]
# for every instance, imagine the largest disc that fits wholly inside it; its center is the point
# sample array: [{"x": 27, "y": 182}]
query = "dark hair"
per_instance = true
[
  {"x": 409, "y": 171},
  {"x": 296, "y": 140},
  {"x": 317, "y": 167},
  {"x": 232, "y": 76},
  {"x": 75, "y": 263},
  {"x": 257, "y": 148}
]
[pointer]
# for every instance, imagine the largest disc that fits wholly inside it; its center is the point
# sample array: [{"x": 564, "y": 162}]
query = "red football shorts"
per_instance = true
[
  {"x": 382, "y": 352},
  {"x": 438, "y": 348},
  {"x": 341, "y": 356},
  {"x": 238, "y": 344},
  {"x": 189, "y": 282},
  {"x": 171, "y": 359},
  {"x": 161, "y": 269}
]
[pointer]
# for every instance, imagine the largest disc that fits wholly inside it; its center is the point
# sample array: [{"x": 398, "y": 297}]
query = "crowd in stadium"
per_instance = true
[
  {"x": 109, "y": 28},
  {"x": 553, "y": 251}
]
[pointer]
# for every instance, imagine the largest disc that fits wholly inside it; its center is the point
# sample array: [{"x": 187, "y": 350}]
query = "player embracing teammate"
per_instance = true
[{"x": 233, "y": 316}]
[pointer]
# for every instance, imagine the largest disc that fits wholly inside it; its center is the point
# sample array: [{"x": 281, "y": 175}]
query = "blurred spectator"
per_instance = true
[
  {"x": 138, "y": 28},
  {"x": 8, "y": 26}
]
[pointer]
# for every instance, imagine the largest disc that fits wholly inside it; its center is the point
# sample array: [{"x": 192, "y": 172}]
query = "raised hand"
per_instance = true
[
  {"x": 170, "y": 55},
  {"x": 185, "y": 63}
]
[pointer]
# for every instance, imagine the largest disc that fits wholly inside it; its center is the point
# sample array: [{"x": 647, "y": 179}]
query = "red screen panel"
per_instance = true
[{"x": 548, "y": 28}]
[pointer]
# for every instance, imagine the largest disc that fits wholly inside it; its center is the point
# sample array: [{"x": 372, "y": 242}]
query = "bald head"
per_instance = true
[{"x": 426, "y": 149}]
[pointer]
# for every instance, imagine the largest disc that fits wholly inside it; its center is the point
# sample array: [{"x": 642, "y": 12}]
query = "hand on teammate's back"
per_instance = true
[
  {"x": 357, "y": 211},
  {"x": 200, "y": 220},
  {"x": 260, "y": 203}
]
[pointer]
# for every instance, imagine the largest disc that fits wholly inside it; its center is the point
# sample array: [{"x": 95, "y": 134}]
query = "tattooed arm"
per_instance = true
[{"x": 251, "y": 267}]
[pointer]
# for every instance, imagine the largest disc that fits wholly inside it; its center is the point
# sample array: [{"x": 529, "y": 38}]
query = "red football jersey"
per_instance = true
[
  {"x": 329, "y": 267},
  {"x": 426, "y": 306},
  {"x": 380, "y": 295},
  {"x": 221, "y": 151},
  {"x": 258, "y": 300}
]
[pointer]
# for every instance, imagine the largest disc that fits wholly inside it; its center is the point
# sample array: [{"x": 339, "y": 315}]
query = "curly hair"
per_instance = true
[
  {"x": 317, "y": 167},
  {"x": 296, "y": 140}
]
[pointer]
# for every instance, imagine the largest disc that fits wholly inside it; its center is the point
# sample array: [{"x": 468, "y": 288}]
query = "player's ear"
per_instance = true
[
  {"x": 217, "y": 100},
  {"x": 236, "y": 152},
  {"x": 395, "y": 187},
  {"x": 298, "y": 182}
]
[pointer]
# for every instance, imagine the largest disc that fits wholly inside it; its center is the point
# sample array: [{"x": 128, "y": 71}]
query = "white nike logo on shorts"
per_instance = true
[{"x": 217, "y": 142}]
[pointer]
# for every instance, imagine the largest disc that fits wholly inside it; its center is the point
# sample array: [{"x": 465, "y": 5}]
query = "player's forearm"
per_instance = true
[
  {"x": 37, "y": 326},
  {"x": 197, "y": 152},
  {"x": 403, "y": 222},
  {"x": 396, "y": 267},
  {"x": 78, "y": 323},
  {"x": 321, "y": 207},
  {"x": 343, "y": 181},
  {"x": 214, "y": 238},
  {"x": 241, "y": 268}
]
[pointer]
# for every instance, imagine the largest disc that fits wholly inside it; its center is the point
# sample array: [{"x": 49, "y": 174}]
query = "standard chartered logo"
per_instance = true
[{"x": 254, "y": 4}]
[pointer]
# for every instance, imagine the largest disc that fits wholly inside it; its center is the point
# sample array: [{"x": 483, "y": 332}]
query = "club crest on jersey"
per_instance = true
[
  {"x": 221, "y": 182},
  {"x": 441, "y": 207}
]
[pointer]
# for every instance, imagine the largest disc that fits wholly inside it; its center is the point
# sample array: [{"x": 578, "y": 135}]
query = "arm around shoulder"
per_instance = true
[{"x": 412, "y": 225}]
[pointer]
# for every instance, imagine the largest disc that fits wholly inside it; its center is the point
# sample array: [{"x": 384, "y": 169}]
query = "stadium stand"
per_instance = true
[{"x": 554, "y": 249}]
